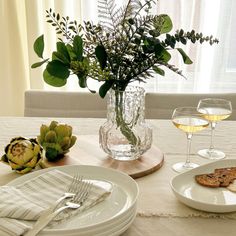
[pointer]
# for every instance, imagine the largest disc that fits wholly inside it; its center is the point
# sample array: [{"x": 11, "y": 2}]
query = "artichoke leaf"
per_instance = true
[
  {"x": 32, "y": 163},
  {"x": 43, "y": 131},
  {"x": 4, "y": 159},
  {"x": 24, "y": 171},
  {"x": 14, "y": 166},
  {"x": 65, "y": 143},
  {"x": 53, "y": 125},
  {"x": 51, "y": 136},
  {"x": 36, "y": 150},
  {"x": 62, "y": 131},
  {"x": 51, "y": 154},
  {"x": 72, "y": 141}
]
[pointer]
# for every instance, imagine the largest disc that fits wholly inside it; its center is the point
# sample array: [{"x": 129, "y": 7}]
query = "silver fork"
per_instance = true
[
  {"x": 76, "y": 202},
  {"x": 70, "y": 192}
]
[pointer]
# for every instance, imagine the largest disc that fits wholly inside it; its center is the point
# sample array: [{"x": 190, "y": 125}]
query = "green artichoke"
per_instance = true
[
  {"x": 56, "y": 139},
  {"x": 23, "y": 154}
]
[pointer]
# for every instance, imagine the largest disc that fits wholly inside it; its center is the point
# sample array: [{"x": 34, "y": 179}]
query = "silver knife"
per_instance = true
[
  {"x": 40, "y": 224},
  {"x": 47, "y": 215}
]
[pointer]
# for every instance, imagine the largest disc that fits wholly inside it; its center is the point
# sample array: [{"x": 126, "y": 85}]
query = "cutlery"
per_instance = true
[
  {"x": 79, "y": 197},
  {"x": 70, "y": 192}
]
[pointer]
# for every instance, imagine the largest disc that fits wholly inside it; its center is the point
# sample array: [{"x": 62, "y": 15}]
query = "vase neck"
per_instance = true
[{"x": 130, "y": 104}]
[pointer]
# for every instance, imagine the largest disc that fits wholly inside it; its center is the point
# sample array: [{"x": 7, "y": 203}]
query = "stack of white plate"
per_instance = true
[{"x": 109, "y": 218}]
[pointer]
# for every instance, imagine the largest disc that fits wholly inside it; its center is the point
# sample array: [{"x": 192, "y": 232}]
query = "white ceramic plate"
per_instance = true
[
  {"x": 114, "y": 229},
  {"x": 203, "y": 198},
  {"x": 102, "y": 216}
]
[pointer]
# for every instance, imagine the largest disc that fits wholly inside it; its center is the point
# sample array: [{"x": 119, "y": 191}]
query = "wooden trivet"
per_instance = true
[{"x": 87, "y": 152}]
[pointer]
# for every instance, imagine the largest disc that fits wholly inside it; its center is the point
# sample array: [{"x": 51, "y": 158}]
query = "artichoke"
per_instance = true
[
  {"x": 56, "y": 139},
  {"x": 23, "y": 154}
]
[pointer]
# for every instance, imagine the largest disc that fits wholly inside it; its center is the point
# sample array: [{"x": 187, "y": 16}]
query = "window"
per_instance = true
[{"x": 214, "y": 67}]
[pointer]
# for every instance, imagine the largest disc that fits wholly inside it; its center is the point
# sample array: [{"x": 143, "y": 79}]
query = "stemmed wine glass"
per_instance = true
[
  {"x": 189, "y": 120},
  {"x": 214, "y": 110}
]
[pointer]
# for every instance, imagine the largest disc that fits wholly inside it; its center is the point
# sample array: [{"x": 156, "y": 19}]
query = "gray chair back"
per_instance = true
[
  {"x": 43, "y": 103},
  {"x": 162, "y": 105}
]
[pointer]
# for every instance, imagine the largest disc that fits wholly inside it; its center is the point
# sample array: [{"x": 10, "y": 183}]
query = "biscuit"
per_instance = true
[
  {"x": 208, "y": 180},
  {"x": 222, "y": 177}
]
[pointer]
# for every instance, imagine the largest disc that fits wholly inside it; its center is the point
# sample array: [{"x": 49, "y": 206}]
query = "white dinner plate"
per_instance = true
[
  {"x": 104, "y": 215},
  {"x": 189, "y": 192},
  {"x": 114, "y": 229}
]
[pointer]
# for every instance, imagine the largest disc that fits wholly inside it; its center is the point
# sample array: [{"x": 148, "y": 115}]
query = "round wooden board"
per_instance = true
[{"x": 87, "y": 152}]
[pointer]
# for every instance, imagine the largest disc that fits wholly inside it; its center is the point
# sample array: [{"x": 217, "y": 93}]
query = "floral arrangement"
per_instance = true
[{"x": 128, "y": 44}]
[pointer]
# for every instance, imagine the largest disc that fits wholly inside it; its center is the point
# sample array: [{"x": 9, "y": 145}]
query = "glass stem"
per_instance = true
[
  {"x": 213, "y": 126},
  {"x": 189, "y": 139}
]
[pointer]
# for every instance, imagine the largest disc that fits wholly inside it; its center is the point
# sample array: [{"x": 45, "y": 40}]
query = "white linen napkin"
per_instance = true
[{"x": 28, "y": 200}]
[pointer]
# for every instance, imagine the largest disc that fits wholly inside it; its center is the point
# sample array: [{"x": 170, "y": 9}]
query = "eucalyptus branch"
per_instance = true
[
  {"x": 173, "y": 68},
  {"x": 55, "y": 22}
]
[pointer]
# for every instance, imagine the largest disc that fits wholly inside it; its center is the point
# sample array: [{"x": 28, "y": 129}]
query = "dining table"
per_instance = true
[{"x": 159, "y": 212}]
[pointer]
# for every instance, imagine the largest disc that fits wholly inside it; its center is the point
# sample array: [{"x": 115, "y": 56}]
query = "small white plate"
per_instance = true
[{"x": 189, "y": 192}]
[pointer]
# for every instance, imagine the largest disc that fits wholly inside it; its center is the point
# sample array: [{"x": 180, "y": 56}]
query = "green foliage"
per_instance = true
[
  {"x": 53, "y": 80},
  {"x": 101, "y": 55},
  {"x": 185, "y": 57},
  {"x": 162, "y": 24},
  {"x": 38, "y": 64},
  {"x": 78, "y": 47},
  {"x": 129, "y": 44},
  {"x": 39, "y": 46}
]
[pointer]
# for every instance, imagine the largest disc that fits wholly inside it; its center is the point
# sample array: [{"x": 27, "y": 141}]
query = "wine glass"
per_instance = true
[
  {"x": 214, "y": 110},
  {"x": 189, "y": 120}
]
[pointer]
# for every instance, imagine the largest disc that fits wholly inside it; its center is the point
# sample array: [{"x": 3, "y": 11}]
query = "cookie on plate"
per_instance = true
[
  {"x": 220, "y": 178},
  {"x": 208, "y": 180}
]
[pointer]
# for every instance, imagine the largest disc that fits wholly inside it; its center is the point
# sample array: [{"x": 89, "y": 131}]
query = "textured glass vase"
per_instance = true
[{"x": 125, "y": 136}]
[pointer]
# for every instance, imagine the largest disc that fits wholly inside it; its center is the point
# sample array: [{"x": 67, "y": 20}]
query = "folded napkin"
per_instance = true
[{"x": 27, "y": 201}]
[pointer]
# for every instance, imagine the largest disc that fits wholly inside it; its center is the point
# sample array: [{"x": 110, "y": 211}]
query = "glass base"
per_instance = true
[
  {"x": 211, "y": 154},
  {"x": 181, "y": 167}
]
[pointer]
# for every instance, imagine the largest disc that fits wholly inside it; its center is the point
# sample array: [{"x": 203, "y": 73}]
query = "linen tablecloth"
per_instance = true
[{"x": 159, "y": 212}]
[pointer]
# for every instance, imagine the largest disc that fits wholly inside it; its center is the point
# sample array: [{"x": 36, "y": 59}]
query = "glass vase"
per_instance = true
[{"x": 125, "y": 136}]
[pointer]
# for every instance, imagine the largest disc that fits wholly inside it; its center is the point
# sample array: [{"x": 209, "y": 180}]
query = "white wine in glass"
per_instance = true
[
  {"x": 214, "y": 110},
  {"x": 189, "y": 120}
]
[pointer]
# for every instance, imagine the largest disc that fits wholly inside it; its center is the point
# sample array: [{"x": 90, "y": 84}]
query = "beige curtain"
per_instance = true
[
  {"x": 21, "y": 22},
  {"x": 14, "y": 78},
  {"x": 214, "y": 67}
]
